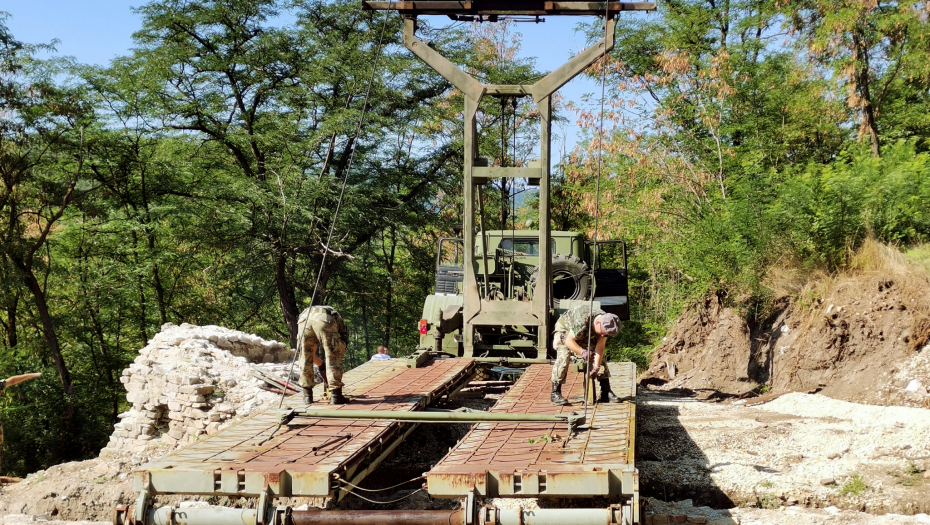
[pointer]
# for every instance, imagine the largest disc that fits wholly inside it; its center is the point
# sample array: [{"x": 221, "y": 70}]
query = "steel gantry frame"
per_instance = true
[{"x": 479, "y": 310}]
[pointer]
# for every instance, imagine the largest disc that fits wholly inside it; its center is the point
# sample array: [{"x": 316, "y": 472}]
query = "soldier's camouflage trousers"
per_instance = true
[
  {"x": 319, "y": 327},
  {"x": 562, "y": 358}
]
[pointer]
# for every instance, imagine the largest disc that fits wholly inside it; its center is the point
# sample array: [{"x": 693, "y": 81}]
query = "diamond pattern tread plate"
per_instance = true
[
  {"x": 232, "y": 463},
  {"x": 514, "y": 460}
]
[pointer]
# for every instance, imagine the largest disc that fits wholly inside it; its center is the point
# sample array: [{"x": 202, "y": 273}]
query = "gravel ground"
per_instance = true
[
  {"x": 783, "y": 516},
  {"x": 797, "y": 451}
]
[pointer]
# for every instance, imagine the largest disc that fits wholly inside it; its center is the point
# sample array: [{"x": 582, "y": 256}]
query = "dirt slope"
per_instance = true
[{"x": 863, "y": 337}]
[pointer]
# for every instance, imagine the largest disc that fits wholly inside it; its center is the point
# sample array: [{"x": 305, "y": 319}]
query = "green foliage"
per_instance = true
[
  {"x": 196, "y": 180},
  {"x": 854, "y": 486},
  {"x": 830, "y": 208},
  {"x": 768, "y": 501}
]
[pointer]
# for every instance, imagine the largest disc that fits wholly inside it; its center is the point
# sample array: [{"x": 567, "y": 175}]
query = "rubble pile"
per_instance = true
[{"x": 190, "y": 381}]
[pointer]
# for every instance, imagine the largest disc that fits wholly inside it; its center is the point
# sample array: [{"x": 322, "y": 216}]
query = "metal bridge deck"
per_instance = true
[
  {"x": 232, "y": 463},
  {"x": 514, "y": 460}
]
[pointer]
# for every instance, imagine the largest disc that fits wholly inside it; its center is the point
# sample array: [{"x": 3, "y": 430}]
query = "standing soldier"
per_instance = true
[
  {"x": 322, "y": 325},
  {"x": 571, "y": 334}
]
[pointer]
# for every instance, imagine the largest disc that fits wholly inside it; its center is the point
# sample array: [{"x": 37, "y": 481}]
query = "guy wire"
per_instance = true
[
  {"x": 597, "y": 214},
  {"x": 342, "y": 192}
]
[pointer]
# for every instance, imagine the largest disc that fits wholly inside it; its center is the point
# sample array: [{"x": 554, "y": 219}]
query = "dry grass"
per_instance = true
[
  {"x": 807, "y": 286},
  {"x": 788, "y": 278},
  {"x": 813, "y": 289},
  {"x": 876, "y": 257}
]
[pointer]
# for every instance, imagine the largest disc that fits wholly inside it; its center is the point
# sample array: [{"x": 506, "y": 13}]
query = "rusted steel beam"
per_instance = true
[
  {"x": 573, "y": 419},
  {"x": 378, "y": 517},
  {"x": 496, "y": 7}
]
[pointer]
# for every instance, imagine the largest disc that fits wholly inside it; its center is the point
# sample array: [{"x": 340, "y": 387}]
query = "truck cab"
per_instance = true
[{"x": 506, "y": 267}]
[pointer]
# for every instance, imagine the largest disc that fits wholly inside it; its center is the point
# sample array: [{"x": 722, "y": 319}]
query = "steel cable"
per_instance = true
[
  {"x": 385, "y": 502},
  {"x": 345, "y": 180},
  {"x": 386, "y": 488},
  {"x": 597, "y": 205}
]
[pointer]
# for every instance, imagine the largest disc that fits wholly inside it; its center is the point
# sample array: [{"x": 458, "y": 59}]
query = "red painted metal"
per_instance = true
[
  {"x": 302, "y": 459},
  {"x": 532, "y": 459}
]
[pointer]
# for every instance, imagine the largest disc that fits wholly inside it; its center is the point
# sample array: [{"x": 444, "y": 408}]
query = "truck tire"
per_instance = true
[{"x": 570, "y": 278}]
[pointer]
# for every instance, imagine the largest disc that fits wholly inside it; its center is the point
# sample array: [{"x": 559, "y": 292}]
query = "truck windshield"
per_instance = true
[{"x": 523, "y": 246}]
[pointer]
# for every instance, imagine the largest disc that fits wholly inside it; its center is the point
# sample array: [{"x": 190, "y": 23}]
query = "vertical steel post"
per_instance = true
[
  {"x": 542, "y": 302},
  {"x": 469, "y": 284}
]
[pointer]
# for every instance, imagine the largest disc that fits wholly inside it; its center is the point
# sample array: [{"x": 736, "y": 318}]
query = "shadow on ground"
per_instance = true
[{"x": 672, "y": 467}]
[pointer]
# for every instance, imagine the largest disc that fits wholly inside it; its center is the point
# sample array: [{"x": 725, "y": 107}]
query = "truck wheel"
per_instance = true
[{"x": 570, "y": 278}]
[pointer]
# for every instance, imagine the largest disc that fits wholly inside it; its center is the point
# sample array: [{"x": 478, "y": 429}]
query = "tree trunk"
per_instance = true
[
  {"x": 286, "y": 299},
  {"x": 159, "y": 294},
  {"x": 867, "y": 123},
  {"x": 365, "y": 327},
  {"x": 11, "y": 339},
  {"x": 51, "y": 338}
]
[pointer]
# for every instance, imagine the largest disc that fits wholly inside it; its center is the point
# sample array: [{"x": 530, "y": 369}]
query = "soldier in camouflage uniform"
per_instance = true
[
  {"x": 322, "y": 325},
  {"x": 572, "y": 337}
]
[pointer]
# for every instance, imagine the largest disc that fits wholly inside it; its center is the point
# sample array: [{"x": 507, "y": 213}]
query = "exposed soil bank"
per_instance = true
[{"x": 863, "y": 338}]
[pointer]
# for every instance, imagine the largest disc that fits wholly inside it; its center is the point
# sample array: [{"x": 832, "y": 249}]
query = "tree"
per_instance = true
[
  {"x": 869, "y": 46},
  {"x": 45, "y": 130}
]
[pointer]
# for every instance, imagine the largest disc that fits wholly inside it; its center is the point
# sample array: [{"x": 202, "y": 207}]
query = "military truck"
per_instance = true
[{"x": 506, "y": 267}]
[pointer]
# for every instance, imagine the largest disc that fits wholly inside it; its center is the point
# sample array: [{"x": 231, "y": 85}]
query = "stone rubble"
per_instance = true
[{"x": 192, "y": 380}]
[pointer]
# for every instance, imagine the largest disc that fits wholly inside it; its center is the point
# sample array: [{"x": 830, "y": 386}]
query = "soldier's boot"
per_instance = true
[
  {"x": 606, "y": 394},
  {"x": 556, "y": 396},
  {"x": 336, "y": 397},
  {"x": 308, "y": 395}
]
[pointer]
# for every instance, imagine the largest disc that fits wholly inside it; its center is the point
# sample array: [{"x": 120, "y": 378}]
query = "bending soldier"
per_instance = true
[
  {"x": 322, "y": 325},
  {"x": 571, "y": 335}
]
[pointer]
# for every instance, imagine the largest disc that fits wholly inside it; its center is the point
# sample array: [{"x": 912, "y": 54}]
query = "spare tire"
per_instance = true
[{"x": 570, "y": 278}]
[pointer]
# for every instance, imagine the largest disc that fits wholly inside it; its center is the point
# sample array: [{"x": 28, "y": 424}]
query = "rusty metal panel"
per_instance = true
[
  {"x": 516, "y": 460},
  {"x": 232, "y": 463}
]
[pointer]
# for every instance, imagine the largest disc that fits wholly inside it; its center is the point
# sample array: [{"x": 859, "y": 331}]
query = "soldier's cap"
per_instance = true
[{"x": 610, "y": 323}]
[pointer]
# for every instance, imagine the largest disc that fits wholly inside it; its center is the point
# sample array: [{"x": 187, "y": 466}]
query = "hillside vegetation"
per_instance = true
[{"x": 197, "y": 179}]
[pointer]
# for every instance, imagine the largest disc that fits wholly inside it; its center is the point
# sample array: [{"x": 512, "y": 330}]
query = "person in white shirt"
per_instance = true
[{"x": 382, "y": 354}]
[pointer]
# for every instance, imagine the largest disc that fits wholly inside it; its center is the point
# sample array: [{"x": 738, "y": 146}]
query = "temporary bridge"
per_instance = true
[{"x": 315, "y": 457}]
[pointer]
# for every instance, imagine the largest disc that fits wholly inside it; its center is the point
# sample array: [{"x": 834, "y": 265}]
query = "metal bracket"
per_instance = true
[
  {"x": 281, "y": 515},
  {"x": 285, "y": 416},
  {"x": 417, "y": 359},
  {"x": 143, "y": 501},
  {"x": 471, "y": 509},
  {"x": 575, "y": 420},
  {"x": 490, "y": 515},
  {"x": 261, "y": 510}
]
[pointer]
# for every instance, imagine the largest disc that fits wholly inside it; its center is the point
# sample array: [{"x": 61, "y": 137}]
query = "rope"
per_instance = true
[
  {"x": 342, "y": 192},
  {"x": 597, "y": 213},
  {"x": 385, "y": 502},
  {"x": 382, "y": 490}
]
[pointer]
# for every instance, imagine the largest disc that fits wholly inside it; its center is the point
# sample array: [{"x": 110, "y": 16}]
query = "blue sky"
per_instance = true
[{"x": 97, "y": 31}]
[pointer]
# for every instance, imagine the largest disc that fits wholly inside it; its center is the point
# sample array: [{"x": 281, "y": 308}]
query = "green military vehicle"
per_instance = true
[{"x": 506, "y": 267}]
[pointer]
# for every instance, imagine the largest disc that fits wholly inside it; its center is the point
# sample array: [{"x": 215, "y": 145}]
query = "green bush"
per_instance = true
[
  {"x": 829, "y": 209},
  {"x": 854, "y": 486}
]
